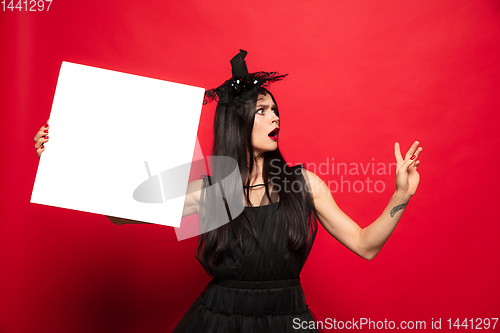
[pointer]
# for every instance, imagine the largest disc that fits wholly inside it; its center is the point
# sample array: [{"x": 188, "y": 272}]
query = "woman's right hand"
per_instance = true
[{"x": 40, "y": 138}]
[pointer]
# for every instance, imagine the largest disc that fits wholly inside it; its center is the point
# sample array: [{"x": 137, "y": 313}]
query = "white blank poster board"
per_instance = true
[{"x": 104, "y": 125}]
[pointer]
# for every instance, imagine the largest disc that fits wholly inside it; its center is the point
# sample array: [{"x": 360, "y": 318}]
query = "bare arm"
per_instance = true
[{"x": 367, "y": 242}]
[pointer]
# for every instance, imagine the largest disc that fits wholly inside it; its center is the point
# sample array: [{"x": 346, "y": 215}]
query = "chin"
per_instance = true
[
  {"x": 272, "y": 148},
  {"x": 263, "y": 150}
]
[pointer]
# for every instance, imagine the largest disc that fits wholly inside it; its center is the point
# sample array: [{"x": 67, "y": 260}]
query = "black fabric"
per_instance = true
[
  {"x": 257, "y": 284},
  {"x": 277, "y": 298},
  {"x": 240, "y": 81}
]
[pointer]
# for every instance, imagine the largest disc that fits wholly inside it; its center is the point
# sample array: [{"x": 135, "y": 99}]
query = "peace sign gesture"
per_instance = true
[{"x": 407, "y": 177}]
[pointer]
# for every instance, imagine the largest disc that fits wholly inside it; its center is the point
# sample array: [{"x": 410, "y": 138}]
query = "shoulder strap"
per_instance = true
[{"x": 207, "y": 181}]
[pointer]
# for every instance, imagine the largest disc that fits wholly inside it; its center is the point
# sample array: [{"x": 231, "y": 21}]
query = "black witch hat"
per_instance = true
[{"x": 241, "y": 81}]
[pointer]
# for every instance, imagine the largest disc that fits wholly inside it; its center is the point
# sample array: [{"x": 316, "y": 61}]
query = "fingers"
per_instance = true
[
  {"x": 416, "y": 164},
  {"x": 412, "y": 161},
  {"x": 44, "y": 130},
  {"x": 40, "y": 138},
  {"x": 412, "y": 150},
  {"x": 39, "y": 151},
  {"x": 397, "y": 153}
]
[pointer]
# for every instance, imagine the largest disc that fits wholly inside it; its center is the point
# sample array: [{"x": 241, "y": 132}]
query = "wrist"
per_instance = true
[{"x": 401, "y": 197}]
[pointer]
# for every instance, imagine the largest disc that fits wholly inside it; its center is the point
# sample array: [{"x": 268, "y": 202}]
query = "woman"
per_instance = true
[{"x": 256, "y": 259}]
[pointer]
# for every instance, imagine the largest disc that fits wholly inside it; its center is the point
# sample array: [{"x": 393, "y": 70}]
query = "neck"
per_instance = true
[{"x": 258, "y": 164}]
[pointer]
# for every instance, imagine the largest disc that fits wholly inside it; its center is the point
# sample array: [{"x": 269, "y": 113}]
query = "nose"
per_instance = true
[{"x": 276, "y": 120}]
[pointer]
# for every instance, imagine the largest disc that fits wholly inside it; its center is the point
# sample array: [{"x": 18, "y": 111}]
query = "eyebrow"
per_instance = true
[{"x": 266, "y": 105}]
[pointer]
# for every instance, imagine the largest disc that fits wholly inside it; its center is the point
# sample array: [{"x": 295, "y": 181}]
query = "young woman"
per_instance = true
[{"x": 256, "y": 258}]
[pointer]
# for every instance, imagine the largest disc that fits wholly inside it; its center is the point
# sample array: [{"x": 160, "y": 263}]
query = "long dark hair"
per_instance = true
[{"x": 233, "y": 124}]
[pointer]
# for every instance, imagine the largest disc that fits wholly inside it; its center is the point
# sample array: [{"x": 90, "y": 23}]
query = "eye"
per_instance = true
[{"x": 260, "y": 111}]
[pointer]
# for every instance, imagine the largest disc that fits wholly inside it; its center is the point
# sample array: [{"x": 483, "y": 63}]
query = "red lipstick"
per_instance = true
[{"x": 274, "y": 133}]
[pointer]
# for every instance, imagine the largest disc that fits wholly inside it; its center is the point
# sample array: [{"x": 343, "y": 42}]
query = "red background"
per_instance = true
[{"x": 363, "y": 74}]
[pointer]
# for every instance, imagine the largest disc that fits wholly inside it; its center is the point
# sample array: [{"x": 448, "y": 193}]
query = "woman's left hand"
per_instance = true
[{"x": 407, "y": 177}]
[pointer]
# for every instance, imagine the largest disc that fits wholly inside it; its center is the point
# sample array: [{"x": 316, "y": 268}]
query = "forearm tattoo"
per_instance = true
[{"x": 397, "y": 208}]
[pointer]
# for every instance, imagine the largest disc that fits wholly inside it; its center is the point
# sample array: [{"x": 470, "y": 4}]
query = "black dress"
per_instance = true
[{"x": 255, "y": 289}]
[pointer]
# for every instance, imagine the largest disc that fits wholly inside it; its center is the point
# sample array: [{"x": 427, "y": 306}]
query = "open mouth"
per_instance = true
[{"x": 274, "y": 133}]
